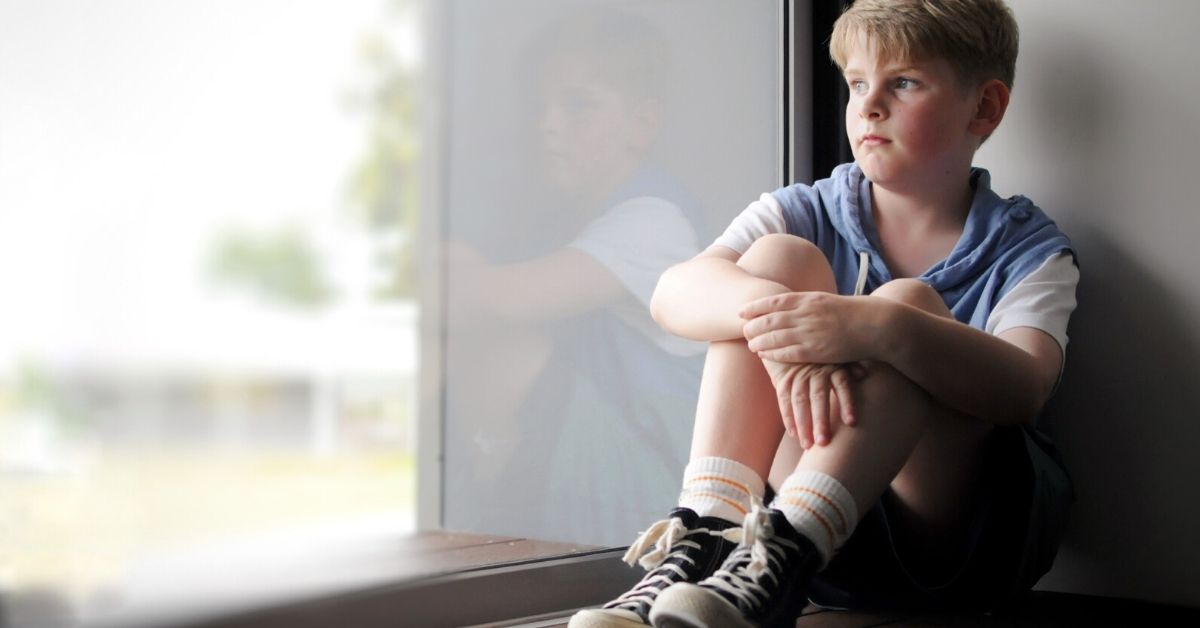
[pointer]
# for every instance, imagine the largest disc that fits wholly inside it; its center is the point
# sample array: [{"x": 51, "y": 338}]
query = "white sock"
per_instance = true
[
  {"x": 719, "y": 487},
  {"x": 820, "y": 508}
]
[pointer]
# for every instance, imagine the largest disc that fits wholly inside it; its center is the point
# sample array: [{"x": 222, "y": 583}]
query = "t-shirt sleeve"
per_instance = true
[
  {"x": 637, "y": 240},
  {"x": 762, "y": 217},
  {"x": 1044, "y": 300}
]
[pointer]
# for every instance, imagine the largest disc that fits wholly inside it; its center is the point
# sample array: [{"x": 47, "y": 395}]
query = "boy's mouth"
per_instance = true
[{"x": 874, "y": 140}]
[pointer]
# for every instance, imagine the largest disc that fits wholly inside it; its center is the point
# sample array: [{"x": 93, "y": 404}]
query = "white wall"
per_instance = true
[{"x": 1103, "y": 133}]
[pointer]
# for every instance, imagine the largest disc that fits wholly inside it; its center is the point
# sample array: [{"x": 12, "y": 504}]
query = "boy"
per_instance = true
[
  {"x": 911, "y": 406},
  {"x": 563, "y": 387}
]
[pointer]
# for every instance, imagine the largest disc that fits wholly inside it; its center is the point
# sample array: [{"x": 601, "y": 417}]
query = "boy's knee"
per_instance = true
[
  {"x": 789, "y": 260},
  {"x": 915, "y": 293},
  {"x": 776, "y": 247}
]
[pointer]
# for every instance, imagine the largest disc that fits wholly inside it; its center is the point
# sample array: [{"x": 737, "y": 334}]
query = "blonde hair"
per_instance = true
[{"x": 977, "y": 37}]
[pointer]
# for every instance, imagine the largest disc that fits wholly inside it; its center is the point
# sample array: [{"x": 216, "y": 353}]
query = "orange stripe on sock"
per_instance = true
[
  {"x": 821, "y": 520},
  {"x": 716, "y": 478},
  {"x": 822, "y": 497},
  {"x": 736, "y": 506}
]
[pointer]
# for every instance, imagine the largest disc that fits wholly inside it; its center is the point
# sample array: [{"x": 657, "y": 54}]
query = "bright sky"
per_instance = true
[{"x": 130, "y": 130}]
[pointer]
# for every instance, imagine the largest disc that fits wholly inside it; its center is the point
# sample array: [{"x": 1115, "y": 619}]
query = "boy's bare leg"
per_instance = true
[
  {"x": 924, "y": 451},
  {"x": 500, "y": 378},
  {"x": 737, "y": 415},
  {"x": 737, "y": 419},
  {"x": 928, "y": 454},
  {"x": 936, "y": 482}
]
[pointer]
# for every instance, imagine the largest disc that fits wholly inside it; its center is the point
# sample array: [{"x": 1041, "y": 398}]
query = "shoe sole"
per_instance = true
[
  {"x": 597, "y": 618},
  {"x": 687, "y": 605}
]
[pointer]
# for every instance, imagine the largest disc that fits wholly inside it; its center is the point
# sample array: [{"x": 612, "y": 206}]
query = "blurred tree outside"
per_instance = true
[
  {"x": 281, "y": 267},
  {"x": 36, "y": 417},
  {"x": 384, "y": 185},
  {"x": 382, "y": 190}
]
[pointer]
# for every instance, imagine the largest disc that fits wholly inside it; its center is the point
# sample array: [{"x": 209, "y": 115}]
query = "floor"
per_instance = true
[{"x": 1045, "y": 610}]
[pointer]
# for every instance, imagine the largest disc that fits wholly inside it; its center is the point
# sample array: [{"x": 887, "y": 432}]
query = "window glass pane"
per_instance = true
[
  {"x": 207, "y": 346},
  {"x": 590, "y": 146}
]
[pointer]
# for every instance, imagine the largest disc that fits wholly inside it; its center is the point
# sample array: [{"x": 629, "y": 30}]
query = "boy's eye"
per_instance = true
[
  {"x": 574, "y": 101},
  {"x": 905, "y": 83},
  {"x": 858, "y": 86}
]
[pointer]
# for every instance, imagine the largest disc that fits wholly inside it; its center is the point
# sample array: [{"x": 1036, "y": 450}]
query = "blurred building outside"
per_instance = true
[{"x": 207, "y": 334}]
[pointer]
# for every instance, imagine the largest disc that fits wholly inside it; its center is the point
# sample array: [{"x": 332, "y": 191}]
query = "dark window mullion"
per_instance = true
[{"x": 829, "y": 93}]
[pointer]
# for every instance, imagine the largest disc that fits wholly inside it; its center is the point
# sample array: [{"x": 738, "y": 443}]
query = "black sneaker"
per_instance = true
[
  {"x": 762, "y": 583},
  {"x": 684, "y": 547}
]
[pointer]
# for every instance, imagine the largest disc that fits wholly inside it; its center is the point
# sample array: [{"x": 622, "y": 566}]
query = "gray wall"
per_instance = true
[{"x": 1103, "y": 133}]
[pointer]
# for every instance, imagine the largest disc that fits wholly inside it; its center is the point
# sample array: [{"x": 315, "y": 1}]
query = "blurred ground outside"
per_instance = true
[
  {"x": 208, "y": 342},
  {"x": 130, "y": 468}
]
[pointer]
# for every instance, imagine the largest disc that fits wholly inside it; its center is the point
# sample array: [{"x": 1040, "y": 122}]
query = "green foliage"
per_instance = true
[
  {"x": 280, "y": 267},
  {"x": 383, "y": 187},
  {"x": 33, "y": 389}
]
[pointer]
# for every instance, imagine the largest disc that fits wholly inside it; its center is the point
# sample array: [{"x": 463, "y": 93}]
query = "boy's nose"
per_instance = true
[{"x": 871, "y": 106}]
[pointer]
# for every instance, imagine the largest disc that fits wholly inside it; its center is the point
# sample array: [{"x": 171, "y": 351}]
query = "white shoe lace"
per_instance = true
[
  {"x": 667, "y": 538},
  {"x": 759, "y": 553},
  {"x": 757, "y": 529},
  {"x": 663, "y": 535}
]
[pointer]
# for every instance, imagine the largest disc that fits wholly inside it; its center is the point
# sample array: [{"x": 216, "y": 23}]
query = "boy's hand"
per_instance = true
[
  {"x": 808, "y": 327},
  {"x": 810, "y": 396}
]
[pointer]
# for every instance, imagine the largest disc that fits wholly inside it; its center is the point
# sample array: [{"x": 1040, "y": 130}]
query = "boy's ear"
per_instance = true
[{"x": 992, "y": 102}]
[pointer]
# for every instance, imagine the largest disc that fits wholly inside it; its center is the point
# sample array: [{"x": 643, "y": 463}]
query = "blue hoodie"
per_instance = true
[{"x": 1003, "y": 240}]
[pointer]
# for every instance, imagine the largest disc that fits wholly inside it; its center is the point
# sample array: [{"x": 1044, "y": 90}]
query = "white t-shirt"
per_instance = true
[{"x": 637, "y": 240}]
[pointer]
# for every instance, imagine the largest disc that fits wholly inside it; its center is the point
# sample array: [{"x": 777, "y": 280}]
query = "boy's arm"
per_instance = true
[
  {"x": 564, "y": 283},
  {"x": 1004, "y": 379},
  {"x": 615, "y": 259},
  {"x": 700, "y": 299}
]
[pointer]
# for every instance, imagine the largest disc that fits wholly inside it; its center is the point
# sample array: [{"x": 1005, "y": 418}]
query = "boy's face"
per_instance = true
[
  {"x": 590, "y": 133},
  {"x": 907, "y": 121}
]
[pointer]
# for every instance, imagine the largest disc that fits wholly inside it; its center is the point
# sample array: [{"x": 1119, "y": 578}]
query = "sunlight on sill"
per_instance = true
[{"x": 206, "y": 583}]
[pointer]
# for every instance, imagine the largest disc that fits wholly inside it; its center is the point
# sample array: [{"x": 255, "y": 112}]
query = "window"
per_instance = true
[
  {"x": 286, "y": 282},
  {"x": 208, "y": 352}
]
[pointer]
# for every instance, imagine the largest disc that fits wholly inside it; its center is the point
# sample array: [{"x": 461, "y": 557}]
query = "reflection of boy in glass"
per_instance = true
[{"x": 568, "y": 373}]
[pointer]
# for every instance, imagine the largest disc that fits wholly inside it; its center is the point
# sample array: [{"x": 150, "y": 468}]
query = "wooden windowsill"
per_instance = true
[{"x": 261, "y": 587}]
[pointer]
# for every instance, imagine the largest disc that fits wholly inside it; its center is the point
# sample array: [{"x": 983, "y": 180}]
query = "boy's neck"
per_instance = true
[
  {"x": 920, "y": 225},
  {"x": 931, "y": 207},
  {"x": 606, "y": 183}
]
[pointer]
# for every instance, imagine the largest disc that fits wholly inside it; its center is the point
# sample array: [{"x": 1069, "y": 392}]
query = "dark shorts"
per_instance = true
[{"x": 1010, "y": 541}]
